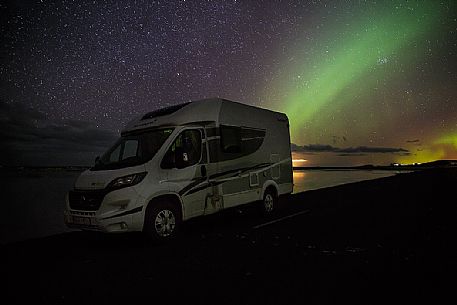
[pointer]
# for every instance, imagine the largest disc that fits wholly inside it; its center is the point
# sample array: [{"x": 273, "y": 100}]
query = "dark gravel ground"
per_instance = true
[{"x": 390, "y": 240}]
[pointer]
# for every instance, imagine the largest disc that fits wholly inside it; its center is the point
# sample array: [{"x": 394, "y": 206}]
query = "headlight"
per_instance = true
[{"x": 126, "y": 181}]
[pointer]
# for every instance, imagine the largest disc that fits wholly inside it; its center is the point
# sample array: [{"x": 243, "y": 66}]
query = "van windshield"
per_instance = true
[{"x": 132, "y": 150}]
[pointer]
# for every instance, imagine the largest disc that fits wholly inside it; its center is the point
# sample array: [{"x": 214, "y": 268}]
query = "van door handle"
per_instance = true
[{"x": 203, "y": 171}]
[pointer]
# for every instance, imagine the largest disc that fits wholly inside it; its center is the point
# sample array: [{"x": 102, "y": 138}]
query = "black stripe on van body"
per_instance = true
[
  {"x": 194, "y": 183},
  {"x": 132, "y": 211},
  {"x": 199, "y": 188},
  {"x": 240, "y": 170},
  {"x": 204, "y": 186},
  {"x": 193, "y": 187}
]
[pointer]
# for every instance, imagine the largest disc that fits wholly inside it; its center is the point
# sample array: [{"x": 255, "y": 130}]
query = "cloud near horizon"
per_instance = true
[
  {"x": 28, "y": 137},
  {"x": 348, "y": 151}
]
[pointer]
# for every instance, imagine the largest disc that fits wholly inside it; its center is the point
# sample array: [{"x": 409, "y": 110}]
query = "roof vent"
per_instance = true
[{"x": 163, "y": 111}]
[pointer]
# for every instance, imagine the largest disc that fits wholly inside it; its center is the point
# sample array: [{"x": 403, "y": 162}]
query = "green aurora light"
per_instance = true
[{"x": 337, "y": 80}]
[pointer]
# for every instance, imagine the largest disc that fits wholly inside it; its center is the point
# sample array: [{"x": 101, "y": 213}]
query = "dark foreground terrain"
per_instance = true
[{"x": 390, "y": 240}]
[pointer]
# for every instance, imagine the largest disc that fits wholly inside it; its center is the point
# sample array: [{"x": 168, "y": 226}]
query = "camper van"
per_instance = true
[{"x": 184, "y": 161}]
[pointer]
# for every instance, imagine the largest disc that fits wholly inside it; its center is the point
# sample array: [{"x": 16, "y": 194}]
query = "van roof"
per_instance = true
[{"x": 203, "y": 111}]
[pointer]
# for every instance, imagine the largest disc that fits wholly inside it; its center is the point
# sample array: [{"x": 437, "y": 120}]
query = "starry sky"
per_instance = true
[{"x": 361, "y": 81}]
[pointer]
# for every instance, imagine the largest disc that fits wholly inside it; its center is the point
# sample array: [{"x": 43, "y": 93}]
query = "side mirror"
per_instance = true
[{"x": 181, "y": 158}]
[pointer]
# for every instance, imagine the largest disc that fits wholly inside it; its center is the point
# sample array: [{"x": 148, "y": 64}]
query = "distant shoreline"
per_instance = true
[
  {"x": 393, "y": 166},
  {"x": 365, "y": 167}
]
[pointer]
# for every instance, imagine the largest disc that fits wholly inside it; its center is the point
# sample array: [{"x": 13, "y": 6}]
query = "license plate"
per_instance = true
[{"x": 81, "y": 220}]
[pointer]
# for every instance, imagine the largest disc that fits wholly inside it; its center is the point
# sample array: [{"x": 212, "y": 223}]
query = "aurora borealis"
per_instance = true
[
  {"x": 361, "y": 81},
  {"x": 346, "y": 59}
]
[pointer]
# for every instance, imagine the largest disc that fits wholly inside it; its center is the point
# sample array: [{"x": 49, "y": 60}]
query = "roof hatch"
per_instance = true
[{"x": 163, "y": 111}]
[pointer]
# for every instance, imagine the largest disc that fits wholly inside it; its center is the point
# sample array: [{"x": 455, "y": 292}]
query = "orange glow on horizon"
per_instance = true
[
  {"x": 298, "y": 175},
  {"x": 298, "y": 162}
]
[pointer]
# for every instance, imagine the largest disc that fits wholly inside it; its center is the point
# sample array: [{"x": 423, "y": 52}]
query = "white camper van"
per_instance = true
[{"x": 184, "y": 161}]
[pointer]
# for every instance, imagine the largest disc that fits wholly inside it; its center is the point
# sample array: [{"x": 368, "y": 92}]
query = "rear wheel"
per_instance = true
[
  {"x": 162, "y": 220},
  {"x": 270, "y": 200}
]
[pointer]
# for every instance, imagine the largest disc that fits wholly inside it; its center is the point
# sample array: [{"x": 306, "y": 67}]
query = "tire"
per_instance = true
[
  {"x": 269, "y": 201},
  {"x": 162, "y": 221}
]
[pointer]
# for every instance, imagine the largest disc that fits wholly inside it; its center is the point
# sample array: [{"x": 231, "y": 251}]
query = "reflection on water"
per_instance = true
[
  {"x": 305, "y": 180},
  {"x": 36, "y": 203}
]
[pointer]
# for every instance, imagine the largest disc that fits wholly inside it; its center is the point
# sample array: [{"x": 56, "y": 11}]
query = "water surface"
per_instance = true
[{"x": 305, "y": 180}]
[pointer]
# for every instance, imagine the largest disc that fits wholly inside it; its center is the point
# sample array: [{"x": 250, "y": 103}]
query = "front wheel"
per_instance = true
[{"x": 162, "y": 221}]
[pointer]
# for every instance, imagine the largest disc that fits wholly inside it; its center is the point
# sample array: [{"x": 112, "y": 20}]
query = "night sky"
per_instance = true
[{"x": 361, "y": 81}]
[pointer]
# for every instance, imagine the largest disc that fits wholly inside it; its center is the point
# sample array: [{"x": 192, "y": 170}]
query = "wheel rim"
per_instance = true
[
  {"x": 268, "y": 202},
  {"x": 165, "y": 223}
]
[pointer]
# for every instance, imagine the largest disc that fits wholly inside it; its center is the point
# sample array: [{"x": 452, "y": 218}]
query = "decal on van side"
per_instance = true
[{"x": 231, "y": 175}]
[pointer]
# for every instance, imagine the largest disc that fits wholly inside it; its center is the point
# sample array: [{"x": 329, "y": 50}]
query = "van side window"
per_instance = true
[
  {"x": 130, "y": 149},
  {"x": 185, "y": 151},
  {"x": 231, "y": 139}
]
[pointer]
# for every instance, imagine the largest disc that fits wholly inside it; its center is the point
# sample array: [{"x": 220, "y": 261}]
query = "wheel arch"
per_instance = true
[
  {"x": 269, "y": 184},
  {"x": 167, "y": 197}
]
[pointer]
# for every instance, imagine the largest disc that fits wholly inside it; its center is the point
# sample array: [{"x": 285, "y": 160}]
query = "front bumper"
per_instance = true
[
  {"x": 74, "y": 220},
  {"x": 119, "y": 211},
  {"x": 81, "y": 220}
]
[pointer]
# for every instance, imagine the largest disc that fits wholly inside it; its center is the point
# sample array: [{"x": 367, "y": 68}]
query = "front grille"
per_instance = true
[
  {"x": 82, "y": 213},
  {"x": 86, "y": 200}
]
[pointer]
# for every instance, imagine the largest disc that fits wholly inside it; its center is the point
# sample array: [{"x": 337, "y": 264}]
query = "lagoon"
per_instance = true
[{"x": 306, "y": 180}]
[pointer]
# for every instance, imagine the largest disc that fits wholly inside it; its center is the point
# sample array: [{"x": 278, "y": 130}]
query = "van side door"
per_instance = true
[{"x": 186, "y": 162}]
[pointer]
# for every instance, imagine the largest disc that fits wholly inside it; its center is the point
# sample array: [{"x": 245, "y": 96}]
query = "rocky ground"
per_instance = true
[{"x": 390, "y": 240}]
